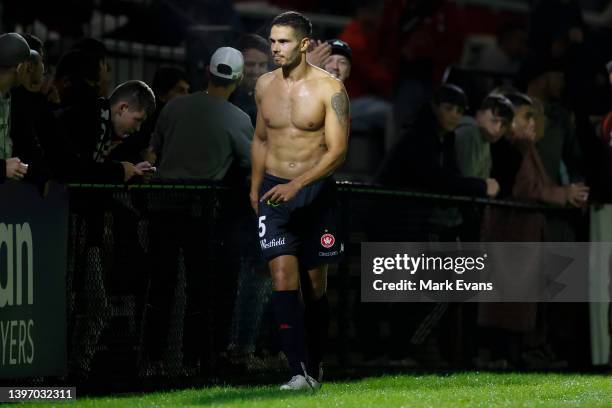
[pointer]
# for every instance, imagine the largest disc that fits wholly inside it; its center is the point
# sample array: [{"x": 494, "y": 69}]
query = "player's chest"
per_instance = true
[{"x": 298, "y": 108}]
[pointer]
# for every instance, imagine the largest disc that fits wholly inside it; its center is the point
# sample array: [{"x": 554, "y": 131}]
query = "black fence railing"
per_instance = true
[{"x": 167, "y": 281}]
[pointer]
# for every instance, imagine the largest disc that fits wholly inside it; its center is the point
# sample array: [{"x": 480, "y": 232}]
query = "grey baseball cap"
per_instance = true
[{"x": 14, "y": 50}]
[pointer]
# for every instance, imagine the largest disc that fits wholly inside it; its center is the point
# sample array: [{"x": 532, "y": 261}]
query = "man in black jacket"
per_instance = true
[
  {"x": 31, "y": 114},
  {"x": 169, "y": 82},
  {"x": 424, "y": 158},
  {"x": 90, "y": 131},
  {"x": 14, "y": 51}
]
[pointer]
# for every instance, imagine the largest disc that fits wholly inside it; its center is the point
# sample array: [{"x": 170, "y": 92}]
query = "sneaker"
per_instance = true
[
  {"x": 315, "y": 385},
  {"x": 298, "y": 383}
]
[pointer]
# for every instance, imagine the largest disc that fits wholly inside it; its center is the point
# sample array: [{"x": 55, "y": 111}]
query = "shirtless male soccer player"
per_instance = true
[{"x": 300, "y": 138}]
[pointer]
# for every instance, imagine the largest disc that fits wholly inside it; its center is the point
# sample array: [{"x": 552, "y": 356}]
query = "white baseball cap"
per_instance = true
[{"x": 227, "y": 63}]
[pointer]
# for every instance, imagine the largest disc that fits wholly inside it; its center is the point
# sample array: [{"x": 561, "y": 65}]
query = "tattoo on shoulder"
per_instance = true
[{"x": 340, "y": 104}]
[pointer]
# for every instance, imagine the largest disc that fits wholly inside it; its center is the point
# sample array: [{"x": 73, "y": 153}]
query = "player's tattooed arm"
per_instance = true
[
  {"x": 335, "y": 133},
  {"x": 340, "y": 104}
]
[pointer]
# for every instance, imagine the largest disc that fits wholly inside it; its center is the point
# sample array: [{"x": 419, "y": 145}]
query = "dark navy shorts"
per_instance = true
[{"x": 307, "y": 226}]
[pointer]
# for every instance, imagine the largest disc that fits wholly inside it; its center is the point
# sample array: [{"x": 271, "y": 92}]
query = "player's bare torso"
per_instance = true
[{"x": 294, "y": 118}]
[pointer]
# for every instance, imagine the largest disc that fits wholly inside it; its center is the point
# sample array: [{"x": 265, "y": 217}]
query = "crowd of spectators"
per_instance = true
[{"x": 533, "y": 141}]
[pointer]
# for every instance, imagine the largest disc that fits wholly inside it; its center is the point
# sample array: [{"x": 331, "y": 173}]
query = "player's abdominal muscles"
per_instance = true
[
  {"x": 291, "y": 169},
  {"x": 290, "y": 166}
]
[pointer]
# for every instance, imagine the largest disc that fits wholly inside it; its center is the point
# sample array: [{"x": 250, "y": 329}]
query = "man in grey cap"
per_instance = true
[{"x": 13, "y": 51}]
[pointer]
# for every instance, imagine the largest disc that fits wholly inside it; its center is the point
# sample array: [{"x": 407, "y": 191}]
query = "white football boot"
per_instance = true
[{"x": 297, "y": 383}]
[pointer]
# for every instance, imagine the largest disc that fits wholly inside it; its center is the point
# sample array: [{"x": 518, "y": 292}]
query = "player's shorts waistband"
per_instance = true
[
  {"x": 280, "y": 180},
  {"x": 274, "y": 179}
]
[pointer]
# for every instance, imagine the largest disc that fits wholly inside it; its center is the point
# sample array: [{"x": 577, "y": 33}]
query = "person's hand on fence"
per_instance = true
[
  {"x": 492, "y": 187},
  {"x": 577, "y": 194},
  {"x": 147, "y": 170},
  {"x": 15, "y": 169},
  {"x": 129, "y": 171}
]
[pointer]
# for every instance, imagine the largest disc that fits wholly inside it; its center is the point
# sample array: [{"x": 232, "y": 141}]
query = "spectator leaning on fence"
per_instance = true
[
  {"x": 424, "y": 158},
  {"x": 474, "y": 136},
  {"x": 14, "y": 50},
  {"x": 532, "y": 182},
  {"x": 168, "y": 83},
  {"x": 90, "y": 131},
  {"x": 31, "y": 114},
  {"x": 200, "y": 136},
  {"x": 513, "y": 334}
]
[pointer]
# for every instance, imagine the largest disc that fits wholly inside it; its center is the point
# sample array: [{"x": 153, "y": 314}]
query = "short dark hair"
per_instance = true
[
  {"x": 221, "y": 82},
  {"x": 519, "y": 99},
  {"x": 166, "y": 77},
  {"x": 252, "y": 41},
  {"x": 449, "y": 93},
  {"x": 295, "y": 20},
  {"x": 499, "y": 105},
  {"x": 137, "y": 94}
]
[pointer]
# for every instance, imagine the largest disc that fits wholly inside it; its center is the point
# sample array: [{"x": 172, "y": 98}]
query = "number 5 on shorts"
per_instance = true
[{"x": 262, "y": 226}]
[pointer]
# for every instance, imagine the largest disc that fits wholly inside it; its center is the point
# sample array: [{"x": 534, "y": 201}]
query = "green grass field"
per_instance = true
[{"x": 454, "y": 390}]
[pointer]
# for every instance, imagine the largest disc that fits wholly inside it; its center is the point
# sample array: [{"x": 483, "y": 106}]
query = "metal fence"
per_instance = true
[{"x": 167, "y": 281}]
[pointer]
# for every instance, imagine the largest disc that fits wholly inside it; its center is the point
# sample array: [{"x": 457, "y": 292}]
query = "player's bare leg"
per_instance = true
[{"x": 285, "y": 273}]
